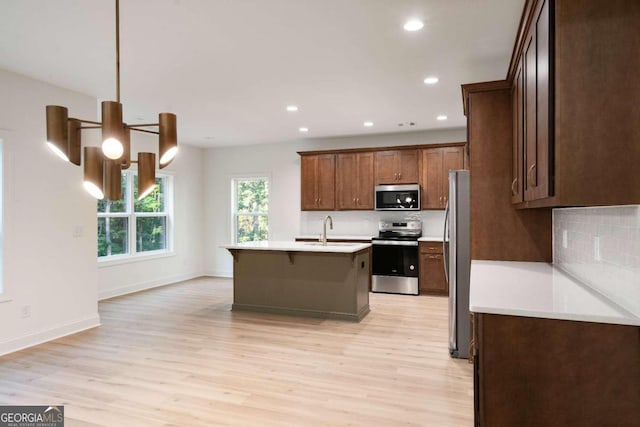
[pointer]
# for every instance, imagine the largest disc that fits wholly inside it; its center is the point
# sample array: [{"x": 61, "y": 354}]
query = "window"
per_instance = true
[
  {"x": 130, "y": 227},
  {"x": 250, "y": 209}
]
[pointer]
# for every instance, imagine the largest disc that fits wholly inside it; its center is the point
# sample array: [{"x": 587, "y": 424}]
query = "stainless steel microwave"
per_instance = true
[{"x": 397, "y": 197}]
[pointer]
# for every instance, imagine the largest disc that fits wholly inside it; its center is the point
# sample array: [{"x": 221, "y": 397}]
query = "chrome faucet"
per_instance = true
[{"x": 323, "y": 239}]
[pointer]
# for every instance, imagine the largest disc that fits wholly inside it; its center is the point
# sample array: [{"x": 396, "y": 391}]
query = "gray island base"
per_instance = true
[{"x": 302, "y": 279}]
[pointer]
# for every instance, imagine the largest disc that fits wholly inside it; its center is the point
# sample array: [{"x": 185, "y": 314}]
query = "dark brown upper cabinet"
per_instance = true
[
  {"x": 396, "y": 167},
  {"x": 318, "y": 179},
  {"x": 436, "y": 164},
  {"x": 354, "y": 181},
  {"x": 574, "y": 95}
]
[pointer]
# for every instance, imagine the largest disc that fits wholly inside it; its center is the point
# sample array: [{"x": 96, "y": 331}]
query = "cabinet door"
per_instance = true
[
  {"x": 308, "y": 184},
  {"x": 346, "y": 181},
  {"x": 432, "y": 279},
  {"x": 407, "y": 166},
  {"x": 431, "y": 178},
  {"x": 537, "y": 108},
  {"x": 364, "y": 193},
  {"x": 518, "y": 141},
  {"x": 385, "y": 167},
  {"x": 452, "y": 159},
  {"x": 542, "y": 170},
  {"x": 530, "y": 127},
  {"x": 326, "y": 177}
]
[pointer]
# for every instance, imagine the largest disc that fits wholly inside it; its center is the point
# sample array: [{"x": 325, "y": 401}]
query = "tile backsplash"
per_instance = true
[
  {"x": 600, "y": 246},
  {"x": 365, "y": 223}
]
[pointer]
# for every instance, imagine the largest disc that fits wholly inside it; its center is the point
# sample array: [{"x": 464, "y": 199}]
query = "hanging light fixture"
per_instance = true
[
  {"x": 94, "y": 171},
  {"x": 103, "y": 166}
]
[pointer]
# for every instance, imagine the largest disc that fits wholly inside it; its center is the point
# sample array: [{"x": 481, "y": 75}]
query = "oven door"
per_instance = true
[{"x": 395, "y": 267}]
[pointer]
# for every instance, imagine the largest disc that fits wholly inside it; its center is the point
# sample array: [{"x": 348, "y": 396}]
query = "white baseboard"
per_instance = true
[
  {"x": 50, "y": 334},
  {"x": 225, "y": 274},
  {"x": 141, "y": 286}
]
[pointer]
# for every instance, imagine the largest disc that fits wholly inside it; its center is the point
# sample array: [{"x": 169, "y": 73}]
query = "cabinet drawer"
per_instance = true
[{"x": 431, "y": 248}]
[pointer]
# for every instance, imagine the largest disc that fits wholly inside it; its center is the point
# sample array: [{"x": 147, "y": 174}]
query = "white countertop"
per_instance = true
[
  {"x": 537, "y": 289},
  {"x": 347, "y": 248},
  {"x": 430, "y": 239},
  {"x": 335, "y": 236}
]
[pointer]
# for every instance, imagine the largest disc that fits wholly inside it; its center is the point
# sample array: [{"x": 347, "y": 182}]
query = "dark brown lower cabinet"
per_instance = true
[
  {"x": 432, "y": 279},
  {"x": 544, "y": 372}
]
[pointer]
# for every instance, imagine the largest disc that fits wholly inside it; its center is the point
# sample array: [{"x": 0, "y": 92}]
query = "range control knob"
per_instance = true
[{"x": 412, "y": 267}]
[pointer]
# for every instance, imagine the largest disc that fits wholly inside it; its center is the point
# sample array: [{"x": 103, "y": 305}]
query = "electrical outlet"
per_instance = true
[
  {"x": 26, "y": 311},
  {"x": 596, "y": 248},
  {"x": 565, "y": 239},
  {"x": 78, "y": 230}
]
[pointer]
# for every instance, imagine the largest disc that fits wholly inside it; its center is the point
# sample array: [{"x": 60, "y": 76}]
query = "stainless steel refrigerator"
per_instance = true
[{"x": 457, "y": 261}]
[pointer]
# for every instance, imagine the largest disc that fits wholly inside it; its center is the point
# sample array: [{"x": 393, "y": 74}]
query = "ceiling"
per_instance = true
[{"x": 228, "y": 68}]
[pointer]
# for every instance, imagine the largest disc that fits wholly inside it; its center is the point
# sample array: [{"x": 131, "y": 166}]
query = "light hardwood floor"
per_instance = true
[{"x": 177, "y": 356}]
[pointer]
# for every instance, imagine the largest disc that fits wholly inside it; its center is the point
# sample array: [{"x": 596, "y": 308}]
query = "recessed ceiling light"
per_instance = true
[
  {"x": 413, "y": 25},
  {"x": 441, "y": 117},
  {"x": 292, "y": 108},
  {"x": 431, "y": 80},
  {"x": 303, "y": 129},
  {"x": 368, "y": 124}
]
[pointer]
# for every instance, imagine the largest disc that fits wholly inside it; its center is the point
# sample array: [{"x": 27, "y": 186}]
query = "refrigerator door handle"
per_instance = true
[{"x": 444, "y": 243}]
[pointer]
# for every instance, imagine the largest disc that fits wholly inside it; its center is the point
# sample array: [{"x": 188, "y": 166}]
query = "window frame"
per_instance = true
[
  {"x": 234, "y": 206},
  {"x": 132, "y": 254}
]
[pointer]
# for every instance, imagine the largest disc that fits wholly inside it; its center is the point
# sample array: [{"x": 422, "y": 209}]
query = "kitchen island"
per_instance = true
[{"x": 302, "y": 278}]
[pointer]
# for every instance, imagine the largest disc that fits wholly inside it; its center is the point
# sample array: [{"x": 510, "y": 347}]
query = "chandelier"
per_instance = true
[{"x": 103, "y": 165}]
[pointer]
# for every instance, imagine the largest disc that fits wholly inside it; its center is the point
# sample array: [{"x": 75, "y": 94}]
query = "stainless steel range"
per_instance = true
[{"x": 395, "y": 257}]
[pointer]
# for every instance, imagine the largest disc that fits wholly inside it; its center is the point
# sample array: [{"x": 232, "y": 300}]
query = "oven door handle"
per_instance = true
[{"x": 394, "y": 243}]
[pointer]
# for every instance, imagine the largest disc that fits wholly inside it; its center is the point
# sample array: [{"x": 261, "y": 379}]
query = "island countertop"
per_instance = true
[{"x": 289, "y": 246}]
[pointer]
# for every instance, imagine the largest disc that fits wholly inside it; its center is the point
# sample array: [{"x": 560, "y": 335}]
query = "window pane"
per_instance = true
[
  {"x": 252, "y": 195},
  {"x": 106, "y": 206},
  {"x": 151, "y": 233},
  {"x": 252, "y": 227},
  {"x": 154, "y": 202},
  {"x": 112, "y": 236}
]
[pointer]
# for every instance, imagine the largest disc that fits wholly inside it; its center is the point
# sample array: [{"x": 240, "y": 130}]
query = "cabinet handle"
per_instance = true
[
  {"x": 531, "y": 168},
  {"x": 354, "y": 200},
  {"x": 358, "y": 200},
  {"x": 399, "y": 175},
  {"x": 513, "y": 185}
]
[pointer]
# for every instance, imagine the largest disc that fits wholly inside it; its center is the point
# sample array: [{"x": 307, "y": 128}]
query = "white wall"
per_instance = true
[
  {"x": 186, "y": 260},
  {"x": 282, "y": 163},
  {"x": 46, "y": 269}
]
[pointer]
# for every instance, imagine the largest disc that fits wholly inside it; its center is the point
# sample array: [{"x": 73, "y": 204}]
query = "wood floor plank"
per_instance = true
[{"x": 178, "y": 356}]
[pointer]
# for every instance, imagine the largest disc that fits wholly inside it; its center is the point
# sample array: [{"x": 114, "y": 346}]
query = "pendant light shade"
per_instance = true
[
  {"x": 146, "y": 174},
  {"x": 113, "y": 180},
  {"x": 125, "y": 162},
  {"x": 57, "y": 132},
  {"x": 168, "y": 138},
  {"x": 73, "y": 142},
  {"x": 112, "y": 129},
  {"x": 93, "y": 171}
]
